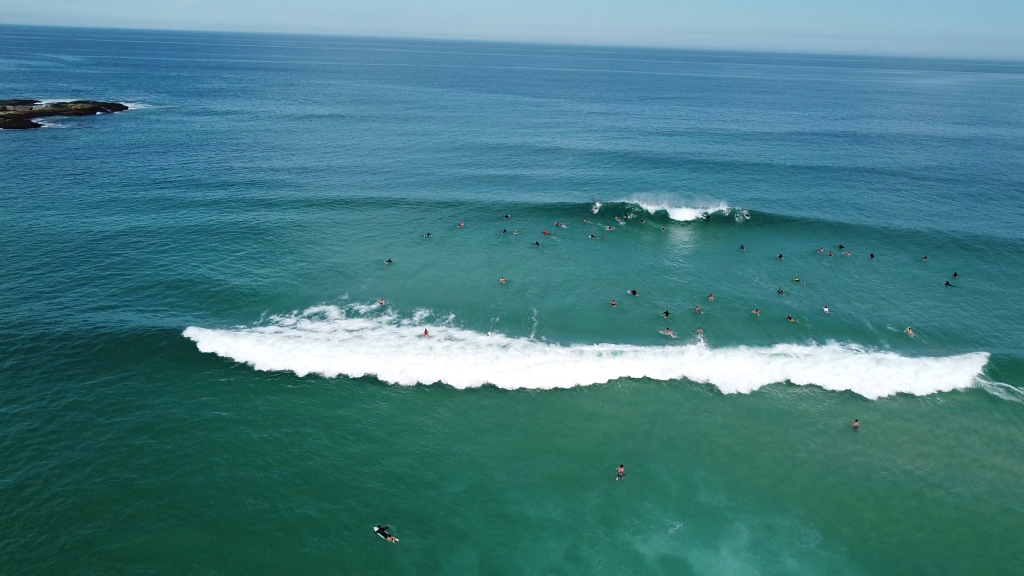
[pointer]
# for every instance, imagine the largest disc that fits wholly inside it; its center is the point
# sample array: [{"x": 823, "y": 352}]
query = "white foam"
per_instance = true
[
  {"x": 331, "y": 341},
  {"x": 681, "y": 213}
]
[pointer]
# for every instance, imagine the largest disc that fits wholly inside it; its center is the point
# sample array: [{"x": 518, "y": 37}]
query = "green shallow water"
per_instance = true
[{"x": 126, "y": 449}]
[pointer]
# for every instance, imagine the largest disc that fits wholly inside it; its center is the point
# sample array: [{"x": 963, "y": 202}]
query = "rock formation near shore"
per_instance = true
[{"x": 18, "y": 114}]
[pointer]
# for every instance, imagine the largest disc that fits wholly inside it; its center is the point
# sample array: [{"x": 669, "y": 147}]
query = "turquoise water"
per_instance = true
[{"x": 197, "y": 379}]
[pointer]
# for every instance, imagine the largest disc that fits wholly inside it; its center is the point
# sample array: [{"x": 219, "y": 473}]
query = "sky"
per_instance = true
[{"x": 948, "y": 28}]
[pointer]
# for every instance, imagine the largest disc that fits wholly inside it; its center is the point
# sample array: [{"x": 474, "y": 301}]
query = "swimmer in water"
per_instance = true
[
  {"x": 742, "y": 247},
  {"x": 699, "y": 331},
  {"x": 425, "y": 333},
  {"x": 825, "y": 309},
  {"x": 662, "y": 228},
  {"x": 841, "y": 247},
  {"x": 546, "y": 233},
  {"x": 909, "y": 331},
  {"x": 791, "y": 319},
  {"x": 387, "y": 262},
  {"x": 427, "y": 235},
  {"x": 668, "y": 333},
  {"x": 711, "y": 297},
  {"x": 594, "y": 237},
  {"x": 633, "y": 292},
  {"x": 381, "y": 302},
  {"x": 559, "y": 225},
  {"x": 608, "y": 228},
  {"x": 614, "y": 303},
  {"x": 617, "y": 219},
  {"x": 955, "y": 275},
  {"x": 516, "y": 232},
  {"x": 781, "y": 292},
  {"x": 924, "y": 258},
  {"x": 507, "y": 216},
  {"x": 502, "y": 280},
  {"x": 665, "y": 313},
  {"x": 537, "y": 244},
  {"x": 797, "y": 280},
  {"x": 620, "y": 473},
  {"x": 830, "y": 254},
  {"x": 780, "y": 256},
  {"x": 820, "y": 250},
  {"x": 847, "y": 254},
  {"x": 504, "y": 230},
  {"x": 697, "y": 308},
  {"x": 461, "y": 225},
  {"x": 948, "y": 285},
  {"x": 756, "y": 312},
  {"x": 872, "y": 256},
  {"x": 856, "y": 424},
  {"x": 584, "y": 220}
]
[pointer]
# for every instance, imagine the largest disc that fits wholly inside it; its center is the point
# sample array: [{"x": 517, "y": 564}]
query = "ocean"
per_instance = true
[{"x": 197, "y": 375}]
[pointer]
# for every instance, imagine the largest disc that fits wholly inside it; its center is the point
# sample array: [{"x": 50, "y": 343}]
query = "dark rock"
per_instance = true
[{"x": 18, "y": 114}]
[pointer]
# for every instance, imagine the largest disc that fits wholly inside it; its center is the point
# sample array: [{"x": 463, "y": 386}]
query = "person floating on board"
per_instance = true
[
  {"x": 955, "y": 275},
  {"x": 383, "y": 533},
  {"x": 872, "y": 255},
  {"x": 614, "y": 303},
  {"x": 830, "y": 254},
  {"x": 620, "y": 473},
  {"x": 537, "y": 244},
  {"x": 427, "y": 235},
  {"x": 697, "y": 308},
  {"x": 756, "y": 312},
  {"x": 382, "y": 302},
  {"x": 791, "y": 319},
  {"x": 781, "y": 292},
  {"x": 504, "y": 230},
  {"x": 665, "y": 313},
  {"x": 924, "y": 258},
  {"x": 711, "y": 297},
  {"x": 909, "y": 331},
  {"x": 948, "y": 285},
  {"x": 387, "y": 262},
  {"x": 820, "y": 250},
  {"x": 742, "y": 247},
  {"x": 856, "y": 424},
  {"x": 507, "y": 216},
  {"x": 461, "y": 225},
  {"x": 502, "y": 280},
  {"x": 841, "y": 247},
  {"x": 668, "y": 332},
  {"x": 633, "y": 292},
  {"x": 780, "y": 256},
  {"x": 825, "y": 309}
]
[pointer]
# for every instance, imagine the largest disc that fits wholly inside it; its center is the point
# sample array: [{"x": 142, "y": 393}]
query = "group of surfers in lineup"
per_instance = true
[
  {"x": 711, "y": 297},
  {"x": 620, "y": 472}
]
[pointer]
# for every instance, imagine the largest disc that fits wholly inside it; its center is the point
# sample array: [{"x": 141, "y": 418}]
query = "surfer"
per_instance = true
[
  {"x": 633, "y": 292},
  {"x": 425, "y": 333},
  {"x": 642, "y": 220},
  {"x": 797, "y": 280},
  {"x": 668, "y": 333},
  {"x": 608, "y": 228},
  {"x": 781, "y": 292},
  {"x": 662, "y": 228},
  {"x": 427, "y": 235},
  {"x": 507, "y": 216},
  {"x": 841, "y": 247},
  {"x": 825, "y": 309},
  {"x": 948, "y": 285},
  {"x": 665, "y": 313},
  {"x": 924, "y": 258},
  {"x": 742, "y": 247},
  {"x": 847, "y": 254},
  {"x": 387, "y": 262},
  {"x": 909, "y": 331},
  {"x": 955, "y": 275},
  {"x": 791, "y": 319},
  {"x": 516, "y": 232},
  {"x": 546, "y": 233},
  {"x": 706, "y": 217},
  {"x": 504, "y": 230},
  {"x": 381, "y": 302},
  {"x": 856, "y": 424},
  {"x": 830, "y": 254},
  {"x": 756, "y": 312},
  {"x": 820, "y": 250},
  {"x": 584, "y": 220},
  {"x": 502, "y": 280},
  {"x": 711, "y": 297},
  {"x": 461, "y": 225},
  {"x": 620, "y": 473},
  {"x": 594, "y": 237},
  {"x": 700, "y": 333},
  {"x": 697, "y": 308},
  {"x": 559, "y": 225},
  {"x": 872, "y": 255},
  {"x": 614, "y": 303},
  {"x": 780, "y": 256},
  {"x": 537, "y": 244},
  {"x": 383, "y": 533}
]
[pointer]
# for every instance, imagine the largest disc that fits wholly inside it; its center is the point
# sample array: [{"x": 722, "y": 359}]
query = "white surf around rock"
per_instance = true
[{"x": 333, "y": 341}]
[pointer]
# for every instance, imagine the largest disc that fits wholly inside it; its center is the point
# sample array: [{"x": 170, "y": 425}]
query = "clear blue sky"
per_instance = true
[{"x": 968, "y": 28}]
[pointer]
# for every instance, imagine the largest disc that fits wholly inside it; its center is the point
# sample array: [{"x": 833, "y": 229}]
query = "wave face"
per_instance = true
[{"x": 333, "y": 341}]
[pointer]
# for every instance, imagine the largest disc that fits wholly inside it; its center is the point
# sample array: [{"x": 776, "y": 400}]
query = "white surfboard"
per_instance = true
[{"x": 375, "y": 532}]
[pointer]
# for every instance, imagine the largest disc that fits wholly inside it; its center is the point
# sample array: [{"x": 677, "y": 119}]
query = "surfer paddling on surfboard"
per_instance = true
[
  {"x": 620, "y": 473},
  {"x": 383, "y": 533}
]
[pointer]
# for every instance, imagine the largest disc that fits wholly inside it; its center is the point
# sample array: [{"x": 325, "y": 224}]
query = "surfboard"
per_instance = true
[{"x": 375, "y": 532}]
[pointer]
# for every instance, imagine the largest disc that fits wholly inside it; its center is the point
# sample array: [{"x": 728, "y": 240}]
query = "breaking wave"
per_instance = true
[
  {"x": 356, "y": 341},
  {"x": 681, "y": 213}
]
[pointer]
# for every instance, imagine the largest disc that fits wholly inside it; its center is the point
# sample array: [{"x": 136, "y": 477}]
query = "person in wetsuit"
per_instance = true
[{"x": 383, "y": 533}]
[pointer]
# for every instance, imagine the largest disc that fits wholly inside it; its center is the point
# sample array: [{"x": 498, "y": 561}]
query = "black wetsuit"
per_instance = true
[{"x": 383, "y": 532}]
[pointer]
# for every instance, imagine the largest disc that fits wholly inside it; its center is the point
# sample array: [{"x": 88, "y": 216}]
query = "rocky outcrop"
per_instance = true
[{"x": 18, "y": 114}]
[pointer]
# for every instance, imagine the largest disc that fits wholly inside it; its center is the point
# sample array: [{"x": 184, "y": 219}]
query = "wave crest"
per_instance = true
[
  {"x": 680, "y": 213},
  {"x": 326, "y": 340}
]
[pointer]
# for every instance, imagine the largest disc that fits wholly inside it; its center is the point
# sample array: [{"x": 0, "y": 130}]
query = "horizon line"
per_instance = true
[{"x": 765, "y": 51}]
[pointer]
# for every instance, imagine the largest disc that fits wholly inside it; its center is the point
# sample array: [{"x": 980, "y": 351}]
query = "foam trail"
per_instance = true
[
  {"x": 325, "y": 340},
  {"x": 680, "y": 213}
]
